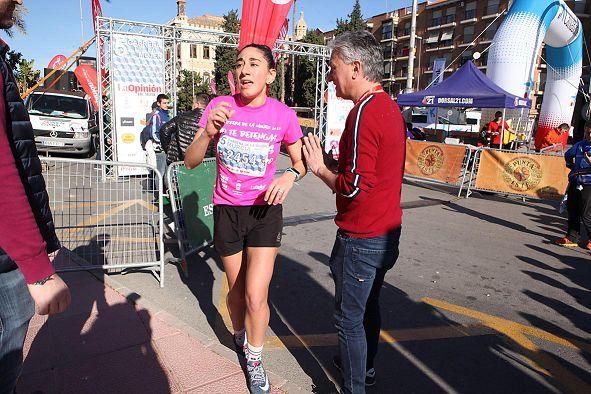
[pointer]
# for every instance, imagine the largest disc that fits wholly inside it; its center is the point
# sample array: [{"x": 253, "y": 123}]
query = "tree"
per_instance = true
[
  {"x": 225, "y": 58},
  {"x": 354, "y": 22},
  {"x": 305, "y": 75},
  {"x": 187, "y": 84}
]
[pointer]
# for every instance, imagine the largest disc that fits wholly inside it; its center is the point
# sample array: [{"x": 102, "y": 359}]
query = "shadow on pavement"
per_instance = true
[{"x": 100, "y": 344}]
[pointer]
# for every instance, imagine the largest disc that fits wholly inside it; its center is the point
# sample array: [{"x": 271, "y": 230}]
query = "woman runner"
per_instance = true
[{"x": 248, "y": 129}]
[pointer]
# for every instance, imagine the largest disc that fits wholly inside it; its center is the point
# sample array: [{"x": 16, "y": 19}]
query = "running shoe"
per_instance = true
[
  {"x": 258, "y": 382},
  {"x": 567, "y": 243}
]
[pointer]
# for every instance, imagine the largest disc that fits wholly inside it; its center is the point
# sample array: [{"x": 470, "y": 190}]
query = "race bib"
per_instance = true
[{"x": 243, "y": 157}]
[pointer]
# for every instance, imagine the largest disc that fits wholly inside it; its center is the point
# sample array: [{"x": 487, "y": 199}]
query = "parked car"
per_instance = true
[{"x": 63, "y": 121}]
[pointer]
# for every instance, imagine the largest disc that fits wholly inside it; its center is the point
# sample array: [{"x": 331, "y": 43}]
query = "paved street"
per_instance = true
[{"x": 478, "y": 301}]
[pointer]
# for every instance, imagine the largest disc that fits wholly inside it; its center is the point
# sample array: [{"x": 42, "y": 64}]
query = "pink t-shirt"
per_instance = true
[{"x": 247, "y": 149}]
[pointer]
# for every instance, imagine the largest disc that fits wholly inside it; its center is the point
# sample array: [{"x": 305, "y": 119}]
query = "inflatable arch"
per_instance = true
[{"x": 516, "y": 45}]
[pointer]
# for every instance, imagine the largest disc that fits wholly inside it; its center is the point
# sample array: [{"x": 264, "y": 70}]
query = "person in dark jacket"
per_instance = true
[
  {"x": 27, "y": 232},
  {"x": 177, "y": 134},
  {"x": 578, "y": 203}
]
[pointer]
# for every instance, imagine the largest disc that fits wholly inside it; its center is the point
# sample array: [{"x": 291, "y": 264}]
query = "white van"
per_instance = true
[{"x": 63, "y": 121}]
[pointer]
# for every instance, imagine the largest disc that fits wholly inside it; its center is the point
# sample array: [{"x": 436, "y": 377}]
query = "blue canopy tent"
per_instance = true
[{"x": 468, "y": 87}]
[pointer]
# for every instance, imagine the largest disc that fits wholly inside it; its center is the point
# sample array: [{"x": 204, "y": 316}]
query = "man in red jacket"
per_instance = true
[
  {"x": 32, "y": 280},
  {"x": 367, "y": 183}
]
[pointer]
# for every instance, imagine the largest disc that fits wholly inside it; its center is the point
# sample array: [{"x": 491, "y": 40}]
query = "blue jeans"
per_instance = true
[
  {"x": 16, "y": 310},
  {"x": 358, "y": 266}
]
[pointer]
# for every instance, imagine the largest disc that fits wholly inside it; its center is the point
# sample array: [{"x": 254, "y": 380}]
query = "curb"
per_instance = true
[{"x": 210, "y": 343}]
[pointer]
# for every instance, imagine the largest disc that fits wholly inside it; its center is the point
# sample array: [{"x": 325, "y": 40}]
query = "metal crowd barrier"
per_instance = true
[
  {"x": 105, "y": 221},
  {"x": 190, "y": 197},
  {"x": 524, "y": 174},
  {"x": 459, "y": 182}
]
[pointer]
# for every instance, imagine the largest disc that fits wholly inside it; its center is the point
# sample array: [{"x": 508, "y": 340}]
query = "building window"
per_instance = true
[
  {"x": 387, "y": 30},
  {"x": 406, "y": 31},
  {"x": 178, "y": 51},
  {"x": 489, "y": 34},
  {"x": 465, "y": 57},
  {"x": 206, "y": 77},
  {"x": 493, "y": 7},
  {"x": 450, "y": 15},
  {"x": 468, "y": 34},
  {"x": 193, "y": 51},
  {"x": 387, "y": 70},
  {"x": 387, "y": 51},
  {"x": 206, "y": 52},
  {"x": 470, "y": 10},
  {"x": 436, "y": 19},
  {"x": 580, "y": 6}
]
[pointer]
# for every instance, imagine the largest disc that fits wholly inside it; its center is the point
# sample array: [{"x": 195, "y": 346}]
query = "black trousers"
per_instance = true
[{"x": 579, "y": 210}]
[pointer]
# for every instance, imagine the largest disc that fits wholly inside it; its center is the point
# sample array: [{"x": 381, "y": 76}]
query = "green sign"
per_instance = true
[{"x": 196, "y": 191}]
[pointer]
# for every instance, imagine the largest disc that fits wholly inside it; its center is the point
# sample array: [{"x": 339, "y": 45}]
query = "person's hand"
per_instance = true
[
  {"x": 279, "y": 188},
  {"x": 313, "y": 153},
  {"x": 52, "y": 297},
  {"x": 218, "y": 116}
]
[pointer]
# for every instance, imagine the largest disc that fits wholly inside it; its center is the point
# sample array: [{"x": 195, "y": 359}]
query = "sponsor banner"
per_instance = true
[
  {"x": 96, "y": 11},
  {"x": 438, "y": 70},
  {"x": 438, "y": 162},
  {"x": 337, "y": 112},
  {"x": 138, "y": 77},
  {"x": 88, "y": 78},
  {"x": 57, "y": 62},
  {"x": 262, "y": 21},
  {"x": 539, "y": 176}
]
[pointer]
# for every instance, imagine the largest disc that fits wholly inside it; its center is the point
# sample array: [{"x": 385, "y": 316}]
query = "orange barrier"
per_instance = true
[
  {"x": 531, "y": 175},
  {"x": 435, "y": 161},
  {"x": 305, "y": 122}
]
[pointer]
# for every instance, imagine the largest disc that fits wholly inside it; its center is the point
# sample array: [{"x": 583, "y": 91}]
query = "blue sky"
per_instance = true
[{"x": 54, "y": 26}]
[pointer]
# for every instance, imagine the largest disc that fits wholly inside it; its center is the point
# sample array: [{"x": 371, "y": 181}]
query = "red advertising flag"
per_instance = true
[
  {"x": 96, "y": 11},
  {"x": 231, "y": 83},
  {"x": 87, "y": 77},
  {"x": 282, "y": 35},
  {"x": 212, "y": 87},
  {"x": 262, "y": 21},
  {"x": 57, "y": 62}
]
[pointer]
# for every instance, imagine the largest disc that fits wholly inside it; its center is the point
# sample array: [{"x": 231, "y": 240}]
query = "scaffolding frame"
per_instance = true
[{"x": 173, "y": 35}]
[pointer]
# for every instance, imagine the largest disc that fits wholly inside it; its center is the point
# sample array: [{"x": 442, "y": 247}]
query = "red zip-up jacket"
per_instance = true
[
  {"x": 19, "y": 234},
  {"x": 371, "y": 166}
]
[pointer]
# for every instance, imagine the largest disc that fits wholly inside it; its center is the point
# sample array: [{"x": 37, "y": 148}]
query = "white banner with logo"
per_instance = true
[
  {"x": 438, "y": 69},
  {"x": 138, "y": 77},
  {"x": 337, "y": 112}
]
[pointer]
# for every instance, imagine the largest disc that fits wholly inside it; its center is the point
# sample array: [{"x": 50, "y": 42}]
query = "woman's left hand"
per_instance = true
[{"x": 277, "y": 191}]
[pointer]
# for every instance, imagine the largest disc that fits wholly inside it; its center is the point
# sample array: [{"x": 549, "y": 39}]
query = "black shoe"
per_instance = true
[{"x": 370, "y": 374}]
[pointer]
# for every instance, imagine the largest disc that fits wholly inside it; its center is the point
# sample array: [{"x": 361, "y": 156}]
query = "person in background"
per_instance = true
[
  {"x": 578, "y": 203},
  {"x": 495, "y": 129},
  {"x": 27, "y": 233},
  {"x": 154, "y": 153},
  {"x": 368, "y": 184},
  {"x": 177, "y": 134},
  {"x": 553, "y": 137}
]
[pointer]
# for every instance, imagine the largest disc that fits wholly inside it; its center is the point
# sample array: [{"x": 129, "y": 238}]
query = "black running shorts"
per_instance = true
[{"x": 236, "y": 227}]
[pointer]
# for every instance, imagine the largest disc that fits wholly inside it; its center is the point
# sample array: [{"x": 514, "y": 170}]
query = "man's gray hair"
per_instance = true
[{"x": 360, "y": 46}]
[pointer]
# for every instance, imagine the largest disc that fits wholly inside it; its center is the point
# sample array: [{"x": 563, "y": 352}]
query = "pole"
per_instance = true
[
  {"x": 293, "y": 32},
  {"x": 503, "y": 128},
  {"x": 419, "y": 73},
  {"x": 81, "y": 22},
  {"x": 412, "y": 49}
]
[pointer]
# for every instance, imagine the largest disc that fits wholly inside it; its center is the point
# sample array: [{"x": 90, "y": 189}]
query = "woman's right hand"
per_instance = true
[{"x": 218, "y": 116}]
